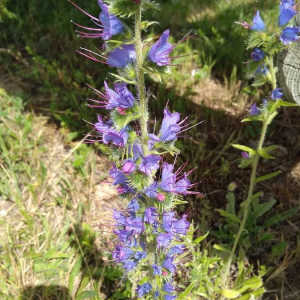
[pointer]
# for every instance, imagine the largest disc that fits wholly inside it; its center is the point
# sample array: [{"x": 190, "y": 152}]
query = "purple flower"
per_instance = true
[
  {"x": 135, "y": 224},
  {"x": 159, "y": 52},
  {"x": 289, "y": 35},
  {"x": 110, "y": 24},
  {"x": 109, "y": 134},
  {"x": 143, "y": 289},
  {"x": 128, "y": 166},
  {"x": 133, "y": 205},
  {"x": 254, "y": 110},
  {"x": 168, "y": 219},
  {"x": 169, "y": 127},
  {"x": 181, "y": 186},
  {"x": 177, "y": 249},
  {"x": 149, "y": 164},
  {"x": 122, "y": 56},
  {"x": 164, "y": 240},
  {"x": 140, "y": 255},
  {"x": 124, "y": 235},
  {"x": 169, "y": 265},
  {"x": 151, "y": 190},
  {"x": 276, "y": 94},
  {"x": 120, "y": 97},
  {"x": 287, "y": 12},
  {"x": 130, "y": 264},
  {"x": 119, "y": 218},
  {"x": 168, "y": 178},
  {"x": 180, "y": 226},
  {"x": 156, "y": 294},
  {"x": 121, "y": 253},
  {"x": 156, "y": 269},
  {"x": 258, "y": 23},
  {"x": 257, "y": 54},
  {"x": 150, "y": 215},
  {"x": 245, "y": 155},
  {"x": 117, "y": 175},
  {"x": 170, "y": 297},
  {"x": 169, "y": 288},
  {"x": 262, "y": 69}
]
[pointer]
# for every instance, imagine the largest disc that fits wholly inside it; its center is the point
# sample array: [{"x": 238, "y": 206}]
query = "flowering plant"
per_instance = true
[{"x": 150, "y": 234}]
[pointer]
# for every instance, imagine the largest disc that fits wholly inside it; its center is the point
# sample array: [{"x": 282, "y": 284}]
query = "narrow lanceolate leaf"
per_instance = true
[
  {"x": 251, "y": 283},
  {"x": 244, "y": 148},
  {"x": 268, "y": 176},
  {"x": 265, "y": 154},
  {"x": 120, "y": 78},
  {"x": 284, "y": 103},
  {"x": 86, "y": 295},
  {"x": 200, "y": 239},
  {"x": 187, "y": 290},
  {"x": 221, "y": 248},
  {"x": 260, "y": 209},
  {"x": 229, "y": 216},
  {"x": 230, "y": 294}
]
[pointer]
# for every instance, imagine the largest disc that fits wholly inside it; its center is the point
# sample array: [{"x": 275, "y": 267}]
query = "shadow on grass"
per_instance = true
[{"x": 44, "y": 292}]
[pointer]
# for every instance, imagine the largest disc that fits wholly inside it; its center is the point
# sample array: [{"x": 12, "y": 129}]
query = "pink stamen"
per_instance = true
[{"x": 83, "y": 11}]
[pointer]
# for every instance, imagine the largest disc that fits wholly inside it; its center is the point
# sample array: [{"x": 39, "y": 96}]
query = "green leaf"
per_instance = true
[
  {"x": 244, "y": 148},
  {"x": 74, "y": 272},
  {"x": 260, "y": 209},
  {"x": 268, "y": 176},
  {"x": 87, "y": 295},
  {"x": 251, "y": 283},
  {"x": 251, "y": 294},
  {"x": 123, "y": 79},
  {"x": 230, "y": 294},
  {"x": 221, "y": 248},
  {"x": 265, "y": 155},
  {"x": 187, "y": 290},
  {"x": 280, "y": 217},
  {"x": 270, "y": 148},
  {"x": 232, "y": 217},
  {"x": 266, "y": 237},
  {"x": 200, "y": 239},
  {"x": 279, "y": 248},
  {"x": 284, "y": 103}
]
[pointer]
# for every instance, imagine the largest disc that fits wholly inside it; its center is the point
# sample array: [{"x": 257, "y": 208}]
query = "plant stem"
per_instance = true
[
  {"x": 141, "y": 80},
  {"x": 248, "y": 201}
]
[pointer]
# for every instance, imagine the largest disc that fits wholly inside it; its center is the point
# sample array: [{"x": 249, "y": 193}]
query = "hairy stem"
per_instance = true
[
  {"x": 249, "y": 199},
  {"x": 141, "y": 80}
]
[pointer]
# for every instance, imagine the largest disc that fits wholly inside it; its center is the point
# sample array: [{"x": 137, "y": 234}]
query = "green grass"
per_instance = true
[{"x": 48, "y": 250}]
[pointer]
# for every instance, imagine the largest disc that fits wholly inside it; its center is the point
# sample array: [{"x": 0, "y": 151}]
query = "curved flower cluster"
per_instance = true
[{"x": 150, "y": 235}]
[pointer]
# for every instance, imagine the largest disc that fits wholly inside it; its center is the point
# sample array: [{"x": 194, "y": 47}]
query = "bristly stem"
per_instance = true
[
  {"x": 141, "y": 80},
  {"x": 249, "y": 198}
]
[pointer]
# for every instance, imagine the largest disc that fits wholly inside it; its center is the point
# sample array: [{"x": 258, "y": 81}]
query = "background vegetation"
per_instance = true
[{"x": 51, "y": 243}]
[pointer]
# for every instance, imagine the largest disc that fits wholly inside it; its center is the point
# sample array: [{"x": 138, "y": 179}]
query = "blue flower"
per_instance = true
[
  {"x": 258, "y": 23},
  {"x": 287, "y": 12},
  {"x": 122, "y": 56},
  {"x": 169, "y": 288},
  {"x": 156, "y": 269},
  {"x": 159, "y": 52},
  {"x": 111, "y": 24},
  {"x": 170, "y": 297},
  {"x": 118, "y": 98},
  {"x": 180, "y": 226},
  {"x": 119, "y": 218},
  {"x": 149, "y": 164},
  {"x": 109, "y": 134},
  {"x": 257, "y": 54},
  {"x": 128, "y": 166},
  {"x": 254, "y": 110},
  {"x": 168, "y": 178},
  {"x": 156, "y": 294},
  {"x": 169, "y": 265},
  {"x": 133, "y": 205},
  {"x": 130, "y": 264},
  {"x": 177, "y": 249},
  {"x": 143, "y": 289},
  {"x": 164, "y": 240},
  {"x": 289, "y": 35},
  {"x": 140, "y": 255},
  {"x": 181, "y": 186},
  {"x": 135, "y": 224},
  {"x": 169, "y": 126},
  {"x": 122, "y": 253},
  {"x": 124, "y": 235},
  {"x": 151, "y": 190},
  {"x": 150, "y": 215},
  {"x": 262, "y": 69},
  {"x": 117, "y": 175},
  {"x": 276, "y": 94}
]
